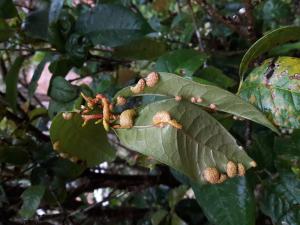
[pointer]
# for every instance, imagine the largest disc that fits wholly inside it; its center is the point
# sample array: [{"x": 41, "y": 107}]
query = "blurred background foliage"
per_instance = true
[{"x": 50, "y": 51}]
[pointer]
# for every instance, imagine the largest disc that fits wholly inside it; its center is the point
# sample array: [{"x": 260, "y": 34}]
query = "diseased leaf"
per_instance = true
[
  {"x": 32, "y": 197},
  {"x": 202, "y": 142},
  {"x": 171, "y": 85},
  {"x": 274, "y": 88},
  {"x": 62, "y": 91},
  {"x": 143, "y": 49},
  {"x": 267, "y": 42},
  {"x": 12, "y": 81},
  {"x": 229, "y": 203},
  {"x": 182, "y": 61},
  {"x": 88, "y": 143},
  {"x": 281, "y": 200},
  {"x": 112, "y": 25}
]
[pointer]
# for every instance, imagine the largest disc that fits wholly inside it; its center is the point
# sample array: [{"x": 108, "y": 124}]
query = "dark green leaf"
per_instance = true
[
  {"x": 229, "y": 203},
  {"x": 274, "y": 88},
  {"x": 36, "y": 76},
  {"x": 171, "y": 85},
  {"x": 12, "y": 81},
  {"x": 201, "y": 143},
  {"x": 285, "y": 49},
  {"x": 143, "y": 49},
  {"x": 281, "y": 200},
  {"x": 112, "y": 25},
  {"x": 13, "y": 155},
  {"x": 7, "y": 9},
  {"x": 88, "y": 143},
  {"x": 36, "y": 24},
  {"x": 66, "y": 169},
  {"x": 62, "y": 91},
  {"x": 60, "y": 66},
  {"x": 182, "y": 61},
  {"x": 158, "y": 217},
  {"x": 267, "y": 42},
  {"x": 32, "y": 197},
  {"x": 288, "y": 145}
]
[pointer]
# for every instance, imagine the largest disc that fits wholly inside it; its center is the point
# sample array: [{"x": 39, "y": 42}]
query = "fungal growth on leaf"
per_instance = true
[
  {"x": 139, "y": 87},
  {"x": 127, "y": 118},
  {"x": 231, "y": 169},
  {"x": 211, "y": 175},
  {"x": 121, "y": 101},
  {"x": 152, "y": 79},
  {"x": 162, "y": 118}
]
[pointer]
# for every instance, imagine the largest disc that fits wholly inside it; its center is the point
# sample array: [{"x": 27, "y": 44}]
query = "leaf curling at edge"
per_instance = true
[
  {"x": 172, "y": 85},
  {"x": 202, "y": 142}
]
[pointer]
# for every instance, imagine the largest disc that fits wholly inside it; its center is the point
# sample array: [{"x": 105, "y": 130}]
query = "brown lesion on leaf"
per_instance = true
[
  {"x": 139, "y": 87},
  {"x": 162, "y": 118},
  {"x": 152, "y": 79}
]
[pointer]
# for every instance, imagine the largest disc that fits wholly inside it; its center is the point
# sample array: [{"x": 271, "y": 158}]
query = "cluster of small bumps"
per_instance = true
[{"x": 150, "y": 81}]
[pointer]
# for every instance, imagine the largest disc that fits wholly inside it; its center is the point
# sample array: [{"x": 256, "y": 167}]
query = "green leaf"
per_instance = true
[
  {"x": 281, "y": 200},
  {"x": 36, "y": 76},
  {"x": 55, "y": 9},
  {"x": 201, "y": 143},
  {"x": 285, "y": 49},
  {"x": 171, "y": 85},
  {"x": 12, "y": 81},
  {"x": 182, "y": 61},
  {"x": 288, "y": 145},
  {"x": 32, "y": 197},
  {"x": 88, "y": 143},
  {"x": 175, "y": 220},
  {"x": 60, "y": 66},
  {"x": 217, "y": 77},
  {"x": 5, "y": 31},
  {"x": 7, "y": 9},
  {"x": 112, "y": 25},
  {"x": 229, "y": 203},
  {"x": 66, "y": 169},
  {"x": 274, "y": 88},
  {"x": 62, "y": 91},
  {"x": 176, "y": 194},
  {"x": 36, "y": 24},
  {"x": 142, "y": 49},
  {"x": 267, "y": 42},
  {"x": 158, "y": 216}
]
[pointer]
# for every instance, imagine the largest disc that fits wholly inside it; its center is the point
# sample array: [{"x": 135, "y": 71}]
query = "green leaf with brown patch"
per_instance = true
[
  {"x": 201, "y": 143},
  {"x": 274, "y": 87},
  {"x": 171, "y": 85}
]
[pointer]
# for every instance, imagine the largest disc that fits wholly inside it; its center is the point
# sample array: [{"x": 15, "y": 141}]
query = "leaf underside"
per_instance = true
[
  {"x": 171, "y": 85},
  {"x": 202, "y": 142}
]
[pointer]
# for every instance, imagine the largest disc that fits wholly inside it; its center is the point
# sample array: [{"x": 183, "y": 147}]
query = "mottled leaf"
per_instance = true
[
  {"x": 274, "y": 88},
  {"x": 88, "y": 143},
  {"x": 171, "y": 85},
  {"x": 201, "y": 143},
  {"x": 267, "y": 42},
  {"x": 229, "y": 203}
]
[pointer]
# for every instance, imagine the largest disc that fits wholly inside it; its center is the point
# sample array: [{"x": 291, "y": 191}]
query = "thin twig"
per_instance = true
[{"x": 250, "y": 19}]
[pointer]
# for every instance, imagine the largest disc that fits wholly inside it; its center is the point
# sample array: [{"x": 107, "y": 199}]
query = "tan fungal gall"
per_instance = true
[
  {"x": 241, "y": 169},
  {"x": 126, "y": 118},
  {"x": 152, "y": 79},
  {"x": 178, "y": 98},
  {"x": 253, "y": 164},
  {"x": 223, "y": 177},
  {"x": 231, "y": 169},
  {"x": 199, "y": 100},
  {"x": 67, "y": 115},
  {"x": 212, "y": 106},
  {"x": 121, "y": 101},
  {"x": 211, "y": 175},
  {"x": 161, "y": 117},
  {"x": 193, "y": 100},
  {"x": 56, "y": 146},
  {"x": 139, "y": 87}
]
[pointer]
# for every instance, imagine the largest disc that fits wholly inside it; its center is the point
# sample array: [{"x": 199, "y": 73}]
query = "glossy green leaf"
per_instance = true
[
  {"x": 7, "y": 9},
  {"x": 171, "y": 85},
  {"x": 31, "y": 197},
  {"x": 12, "y": 81},
  {"x": 274, "y": 88},
  {"x": 62, "y": 91},
  {"x": 112, "y": 25},
  {"x": 182, "y": 61},
  {"x": 267, "y": 42},
  {"x": 229, "y": 203},
  {"x": 88, "y": 143},
  {"x": 202, "y": 142},
  {"x": 281, "y": 200},
  {"x": 143, "y": 49}
]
